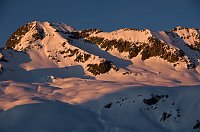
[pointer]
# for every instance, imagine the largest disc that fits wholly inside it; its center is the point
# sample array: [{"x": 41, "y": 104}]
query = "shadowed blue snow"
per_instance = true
[
  {"x": 104, "y": 14},
  {"x": 49, "y": 117}
]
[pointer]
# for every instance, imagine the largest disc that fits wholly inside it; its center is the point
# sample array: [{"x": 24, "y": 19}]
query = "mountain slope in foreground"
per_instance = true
[{"x": 59, "y": 78}]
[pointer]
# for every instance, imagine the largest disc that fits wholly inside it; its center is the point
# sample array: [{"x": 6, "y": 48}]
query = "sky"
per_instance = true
[{"x": 106, "y": 15}]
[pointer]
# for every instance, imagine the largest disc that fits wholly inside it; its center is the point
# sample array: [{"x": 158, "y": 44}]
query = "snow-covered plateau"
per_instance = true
[{"x": 54, "y": 78}]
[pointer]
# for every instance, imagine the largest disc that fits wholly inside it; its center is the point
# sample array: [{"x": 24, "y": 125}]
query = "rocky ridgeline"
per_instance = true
[{"x": 154, "y": 47}]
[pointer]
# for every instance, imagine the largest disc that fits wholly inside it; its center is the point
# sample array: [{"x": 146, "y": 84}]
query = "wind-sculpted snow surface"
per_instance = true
[{"x": 55, "y": 78}]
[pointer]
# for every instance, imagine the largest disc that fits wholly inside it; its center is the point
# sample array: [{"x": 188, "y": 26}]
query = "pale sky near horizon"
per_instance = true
[{"x": 106, "y": 15}]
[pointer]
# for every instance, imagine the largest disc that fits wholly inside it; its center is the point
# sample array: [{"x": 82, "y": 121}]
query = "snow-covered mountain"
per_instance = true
[
  {"x": 121, "y": 79},
  {"x": 123, "y": 55}
]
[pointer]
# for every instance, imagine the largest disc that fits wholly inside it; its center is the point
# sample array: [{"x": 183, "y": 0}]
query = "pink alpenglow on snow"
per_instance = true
[{"x": 56, "y": 78}]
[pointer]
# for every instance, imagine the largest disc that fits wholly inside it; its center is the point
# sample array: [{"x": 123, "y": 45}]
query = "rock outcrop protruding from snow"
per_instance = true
[{"x": 169, "y": 45}]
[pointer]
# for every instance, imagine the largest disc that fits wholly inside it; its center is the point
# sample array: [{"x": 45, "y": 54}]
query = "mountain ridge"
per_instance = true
[
  {"x": 104, "y": 53},
  {"x": 153, "y": 37}
]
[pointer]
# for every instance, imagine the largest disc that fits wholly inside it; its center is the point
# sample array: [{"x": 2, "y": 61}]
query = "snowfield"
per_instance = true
[
  {"x": 54, "y": 78},
  {"x": 84, "y": 105}
]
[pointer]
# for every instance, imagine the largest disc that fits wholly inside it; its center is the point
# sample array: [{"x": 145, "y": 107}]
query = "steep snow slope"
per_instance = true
[{"x": 100, "y": 81}]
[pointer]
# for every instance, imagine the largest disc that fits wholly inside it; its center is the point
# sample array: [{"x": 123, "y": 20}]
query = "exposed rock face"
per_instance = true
[{"x": 33, "y": 27}]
